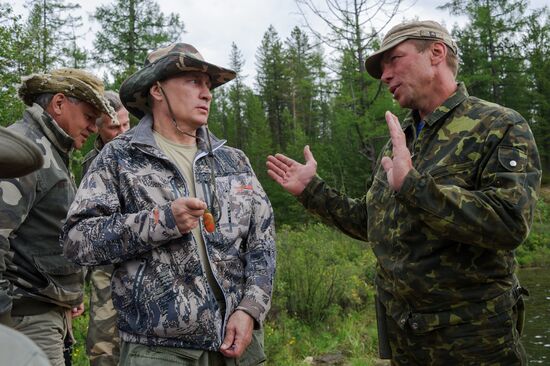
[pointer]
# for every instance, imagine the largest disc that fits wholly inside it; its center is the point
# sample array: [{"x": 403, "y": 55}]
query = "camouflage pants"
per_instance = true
[
  {"x": 132, "y": 354},
  {"x": 102, "y": 342},
  {"x": 487, "y": 342}
]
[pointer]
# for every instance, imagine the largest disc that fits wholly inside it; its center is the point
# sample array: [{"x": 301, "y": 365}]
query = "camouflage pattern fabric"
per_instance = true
[
  {"x": 445, "y": 242},
  {"x": 32, "y": 211},
  {"x": 122, "y": 214},
  {"x": 102, "y": 341},
  {"x": 491, "y": 341},
  {"x": 162, "y": 64},
  {"x": 75, "y": 83}
]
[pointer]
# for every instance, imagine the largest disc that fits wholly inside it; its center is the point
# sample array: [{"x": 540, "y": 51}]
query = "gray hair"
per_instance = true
[
  {"x": 114, "y": 101},
  {"x": 45, "y": 99}
]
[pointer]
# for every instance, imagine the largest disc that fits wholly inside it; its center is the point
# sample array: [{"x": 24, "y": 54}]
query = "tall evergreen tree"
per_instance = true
[
  {"x": 491, "y": 49},
  {"x": 129, "y": 30},
  {"x": 236, "y": 96},
  {"x": 272, "y": 86},
  {"x": 537, "y": 48},
  {"x": 11, "y": 32},
  {"x": 50, "y": 26},
  {"x": 303, "y": 61}
]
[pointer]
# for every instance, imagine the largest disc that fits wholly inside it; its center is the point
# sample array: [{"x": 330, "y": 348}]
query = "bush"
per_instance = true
[{"x": 321, "y": 272}]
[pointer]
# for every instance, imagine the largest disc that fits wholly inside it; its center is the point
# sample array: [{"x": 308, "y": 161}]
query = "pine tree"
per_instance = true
[
  {"x": 272, "y": 86},
  {"x": 130, "y": 29},
  {"x": 492, "y": 60},
  {"x": 49, "y": 27},
  {"x": 10, "y": 34},
  {"x": 236, "y": 96}
]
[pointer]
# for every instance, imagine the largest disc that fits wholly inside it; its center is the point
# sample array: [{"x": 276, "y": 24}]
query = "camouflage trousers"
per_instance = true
[
  {"x": 132, "y": 354},
  {"x": 487, "y": 342},
  {"x": 102, "y": 342}
]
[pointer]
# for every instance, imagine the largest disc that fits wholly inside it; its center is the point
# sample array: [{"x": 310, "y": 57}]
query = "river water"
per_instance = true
[{"x": 536, "y": 337}]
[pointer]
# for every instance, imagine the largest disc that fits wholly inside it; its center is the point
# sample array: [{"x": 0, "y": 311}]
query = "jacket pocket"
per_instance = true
[
  {"x": 254, "y": 353},
  {"x": 65, "y": 280},
  {"x": 512, "y": 159}
]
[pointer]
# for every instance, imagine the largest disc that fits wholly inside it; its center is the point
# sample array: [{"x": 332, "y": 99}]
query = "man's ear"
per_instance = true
[
  {"x": 155, "y": 92},
  {"x": 439, "y": 53},
  {"x": 55, "y": 108}
]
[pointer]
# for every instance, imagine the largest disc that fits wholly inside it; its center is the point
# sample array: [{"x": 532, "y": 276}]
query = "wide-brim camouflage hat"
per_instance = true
[
  {"x": 20, "y": 156},
  {"x": 162, "y": 64},
  {"x": 424, "y": 30},
  {"x": 75, "y": 83}
]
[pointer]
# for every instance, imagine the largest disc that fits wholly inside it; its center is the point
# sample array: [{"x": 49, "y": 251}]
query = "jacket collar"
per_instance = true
[
  {"x": 440, "y": 112},
  {"x": 55, "y": 134}
]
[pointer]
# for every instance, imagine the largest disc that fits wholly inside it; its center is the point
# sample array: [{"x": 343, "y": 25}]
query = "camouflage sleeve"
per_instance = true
[
  {"x": 96, "y": 232},
  {"x": 259, "y": 257},
  {"x": 346, "y": 214},
  {"x": 16, "y": 200},
  {"x": 499, "y": 212}
]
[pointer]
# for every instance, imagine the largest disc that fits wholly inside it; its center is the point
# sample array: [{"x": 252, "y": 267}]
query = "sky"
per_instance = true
[{"x": 212, "y": 25}]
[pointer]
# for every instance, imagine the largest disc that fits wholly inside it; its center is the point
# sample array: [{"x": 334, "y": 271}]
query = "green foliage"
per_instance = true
[
  {"x": 129, "y": 30},
  {"x": 321, "y": 273},
  {"x": 535, "y": 251}
]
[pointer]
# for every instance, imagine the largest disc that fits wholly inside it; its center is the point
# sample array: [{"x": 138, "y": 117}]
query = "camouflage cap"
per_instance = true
[
  {"x": 75, "y": 83},
  {"x": 426, "y": 29},
  {"x": 20, "y": 156},
  {"x": 162, "y": 64}
]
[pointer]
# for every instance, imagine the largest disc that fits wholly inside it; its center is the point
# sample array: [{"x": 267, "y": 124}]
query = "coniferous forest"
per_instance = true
[{"x": 309, "y": 88}]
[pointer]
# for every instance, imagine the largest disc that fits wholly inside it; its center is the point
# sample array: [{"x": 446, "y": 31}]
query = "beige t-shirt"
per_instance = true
[{"x": 183, "y": 155}]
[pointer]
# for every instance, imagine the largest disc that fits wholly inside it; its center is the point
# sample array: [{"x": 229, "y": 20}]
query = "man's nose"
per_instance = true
[
  {"x": 386, "y": 75},
  {"x": 206, "y": 94},
  {"x": 92, "y": 127}
]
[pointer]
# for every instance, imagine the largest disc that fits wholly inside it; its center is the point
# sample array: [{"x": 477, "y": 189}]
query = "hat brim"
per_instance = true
[
  {"x": 134, "y": 91},
  {"x": 20, "y": 156}
]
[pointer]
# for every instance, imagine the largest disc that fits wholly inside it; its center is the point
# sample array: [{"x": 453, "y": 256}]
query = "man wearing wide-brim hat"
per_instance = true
[
  {"x": 40, "y": 291},
  {"x": 451, "y": 198},
  {"x": 184, "y": 219}
]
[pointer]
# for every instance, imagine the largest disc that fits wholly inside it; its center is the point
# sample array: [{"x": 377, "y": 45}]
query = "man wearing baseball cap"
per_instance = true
[
  {"x": 183, "y": 218},
  {"x": 41, "y": 291},
  {"x": 451, "y": 198}
]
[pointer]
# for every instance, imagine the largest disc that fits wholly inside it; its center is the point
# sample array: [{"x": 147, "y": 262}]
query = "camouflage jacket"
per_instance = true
[
  {"x": 32, "y": 212},
  {"x": 122, "y": 214},
  {"x": 91, "y": 155},
  {"x": 445, "y": 242}
]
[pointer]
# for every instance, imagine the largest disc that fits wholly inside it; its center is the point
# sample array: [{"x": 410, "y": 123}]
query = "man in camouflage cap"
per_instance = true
[
  {"x": 40, "y": 290},
  {"x": 184, "y": 219},
  {"x": 451, "y": 197}
]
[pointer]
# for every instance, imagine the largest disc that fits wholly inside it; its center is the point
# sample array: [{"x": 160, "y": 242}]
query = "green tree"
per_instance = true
[
  {"x": 305, "y": 72},
  {"x": 492, "y": 50},
  {"x": 272, "y": 86},
  {"x": 236, "y": 96},
  {"x": 10, "y": 34},
  {"x": 129, "y": 30},
  {"x": 50, "y": 27},
  {"x": 537, "y": 48}
]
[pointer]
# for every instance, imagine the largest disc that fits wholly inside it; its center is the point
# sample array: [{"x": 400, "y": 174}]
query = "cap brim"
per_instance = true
[
  {"x": 374, "y": 61},
  {"x": 20, "y": 156}
]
